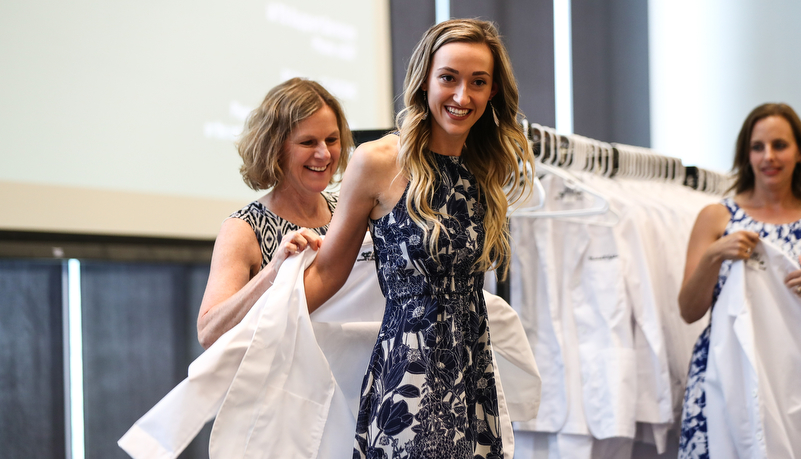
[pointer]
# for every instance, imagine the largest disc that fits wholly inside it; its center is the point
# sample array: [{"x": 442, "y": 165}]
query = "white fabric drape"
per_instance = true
[
  {"x": 285, "y": 384},
  {"x": 753, "y": 380}
]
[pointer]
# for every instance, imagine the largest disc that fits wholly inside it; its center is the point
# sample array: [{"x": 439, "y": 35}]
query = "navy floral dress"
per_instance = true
[
  {"x": 694, "y": 443},
  {"x": 429, "y": 391}
]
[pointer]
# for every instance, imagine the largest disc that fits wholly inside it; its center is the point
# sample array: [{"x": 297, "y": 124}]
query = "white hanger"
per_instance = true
[
  {"x": 535, "y": 180},
  {"x": 601, "y": 205},
  {"x": 679, "y": 172}
]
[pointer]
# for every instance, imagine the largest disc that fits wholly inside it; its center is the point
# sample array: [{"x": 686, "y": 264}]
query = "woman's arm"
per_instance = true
[
  {"x": 369, "y": 190},
  {"x": 705, "y": 253},
  {"x": 235, "y": 281}
]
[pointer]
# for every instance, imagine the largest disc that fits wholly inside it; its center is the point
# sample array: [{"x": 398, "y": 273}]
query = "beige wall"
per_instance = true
[
  {"x": 120, "y": 117},
  {"x": 65, "y": 209}
]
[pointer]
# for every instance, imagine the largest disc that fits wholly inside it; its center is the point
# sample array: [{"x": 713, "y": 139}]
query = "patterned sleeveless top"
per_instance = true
[
  {"x": 786, "y": 236},
  {"x": 271, "y": 228},
  {"x": 429, "y": 390}
]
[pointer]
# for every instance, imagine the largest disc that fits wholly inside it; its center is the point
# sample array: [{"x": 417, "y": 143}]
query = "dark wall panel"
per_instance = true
[
  {"x": 139, "y": 337},
  {"x": 488, "y": 11},
  {"x": 409, "y": 19},
  {"x": 611, "y": 99},
  {"x": 528, "y": 31},
  {"x": 631, "y": 103},
  {"x": 592, "y": 62},
  {"x": 197, "y": 275},
  {"x": 31, "y": 360}
]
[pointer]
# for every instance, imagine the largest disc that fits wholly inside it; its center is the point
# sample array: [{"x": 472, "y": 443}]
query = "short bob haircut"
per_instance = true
[
  {"x": 744, "y": 174},
  {"x": 269, "y": 126}
]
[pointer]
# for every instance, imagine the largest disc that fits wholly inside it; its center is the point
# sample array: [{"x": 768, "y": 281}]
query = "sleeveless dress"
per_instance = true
[
  {"x": 271, "y": 228},
  {"x": 693, "y": 443},
  {"x": 429, "y": 390}
]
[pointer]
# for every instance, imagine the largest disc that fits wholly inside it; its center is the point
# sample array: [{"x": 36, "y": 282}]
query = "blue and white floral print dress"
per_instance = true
[
  {"x": 429, "y": 391},
  {"x": 693, "y": 442}
]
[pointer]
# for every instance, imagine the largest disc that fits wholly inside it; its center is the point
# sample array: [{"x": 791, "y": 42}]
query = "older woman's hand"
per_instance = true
[
  {"x": 231, "y": 290},
  {"x": 294, "y": 243},
  {"x": 793, "y": 280}
]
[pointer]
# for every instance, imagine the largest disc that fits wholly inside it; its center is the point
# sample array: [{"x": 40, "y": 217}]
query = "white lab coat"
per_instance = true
[
  {"x": 568, "y": 288},
  {"x": 284, "y": 386},
  {"x": 599, "y": 304},
  {"x": 535, "y": 296},
  {"x": 753, "y": 379}
]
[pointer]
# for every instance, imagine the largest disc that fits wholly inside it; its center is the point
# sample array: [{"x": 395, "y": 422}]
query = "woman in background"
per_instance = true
[
  {"x": 767, "y": 205},
  {"x": 435, "y": 200},
  {"x": 295, "y": 143}
]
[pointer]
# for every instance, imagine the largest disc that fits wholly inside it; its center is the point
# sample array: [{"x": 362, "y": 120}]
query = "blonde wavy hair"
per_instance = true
[
  {"x": 269, "y": 126},
  {"x": 496, "y": 155}
]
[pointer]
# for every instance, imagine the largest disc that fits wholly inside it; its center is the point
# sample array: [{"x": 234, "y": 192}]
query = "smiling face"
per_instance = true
[
  {"x": 459, "y": 85},
  {"x": 773, "y": 152},
  {"x": 311, "y": 153}
]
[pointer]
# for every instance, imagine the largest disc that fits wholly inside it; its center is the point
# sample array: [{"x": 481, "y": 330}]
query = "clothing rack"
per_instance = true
[
  {"x": 642, "y": 162},
  {"x": 614, "y": 159},
  {"x": 595, "y": 278}
]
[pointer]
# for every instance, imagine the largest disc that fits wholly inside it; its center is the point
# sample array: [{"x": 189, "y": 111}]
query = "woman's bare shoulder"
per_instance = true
[
  {"x": 715, "y": 211},
  {"x": 375, "y": 160},
  {"x": 713, "y": 219},
  {"x": 378, "y": 152},
  {"x": 374, "y": 173}
]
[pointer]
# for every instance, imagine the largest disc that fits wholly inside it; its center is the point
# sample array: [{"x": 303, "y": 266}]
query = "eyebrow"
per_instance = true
[
  {"x": 301, "y": 137},
  {"x": 480, "y": 72}
]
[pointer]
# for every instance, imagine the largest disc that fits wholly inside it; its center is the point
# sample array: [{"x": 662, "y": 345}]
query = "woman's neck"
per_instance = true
[
  {"x": 772, "y": 198},
  {"x": 444, "y": 144},
  {"x": 308, "y": 210},
  {"x": 777, "y": 206}
]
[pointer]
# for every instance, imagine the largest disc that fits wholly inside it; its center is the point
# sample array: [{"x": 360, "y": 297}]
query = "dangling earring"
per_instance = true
[
  {"x": 494, "y": 115},
  {"x": 425, "y": 102}
]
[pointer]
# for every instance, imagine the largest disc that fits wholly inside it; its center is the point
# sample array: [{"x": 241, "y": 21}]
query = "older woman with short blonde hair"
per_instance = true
[{"x": 295, "y": 144}]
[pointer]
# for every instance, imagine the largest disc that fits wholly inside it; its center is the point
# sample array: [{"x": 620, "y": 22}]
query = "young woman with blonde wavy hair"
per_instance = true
[{"x": 434, "y": 198}]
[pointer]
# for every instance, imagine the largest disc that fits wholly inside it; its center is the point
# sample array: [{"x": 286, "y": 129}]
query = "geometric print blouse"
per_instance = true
[{"x": 271, "y": 228}]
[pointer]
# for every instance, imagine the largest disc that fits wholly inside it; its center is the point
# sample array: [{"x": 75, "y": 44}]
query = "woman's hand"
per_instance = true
[
  {"x": 793, "y": 280},
  {"x": 735, "y": 246},
  {"x": 236, "y": 281},
  {"x": 294, "y": 243}
]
